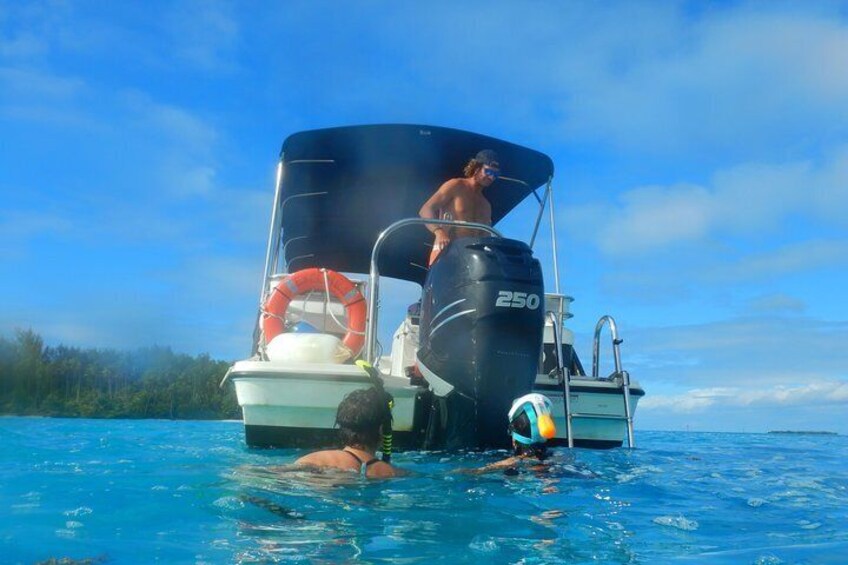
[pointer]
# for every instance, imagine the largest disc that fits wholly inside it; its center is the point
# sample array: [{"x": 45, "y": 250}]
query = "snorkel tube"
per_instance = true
[{"x": 377, "y": 383}]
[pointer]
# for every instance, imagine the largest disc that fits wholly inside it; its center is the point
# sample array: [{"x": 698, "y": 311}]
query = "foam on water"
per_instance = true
[
  {"x": 679, "y": 522},
  {"x": 190, "y": 492}
]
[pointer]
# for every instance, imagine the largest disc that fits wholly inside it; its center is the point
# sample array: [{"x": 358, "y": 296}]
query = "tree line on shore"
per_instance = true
[{"x": 150, "y": 382}]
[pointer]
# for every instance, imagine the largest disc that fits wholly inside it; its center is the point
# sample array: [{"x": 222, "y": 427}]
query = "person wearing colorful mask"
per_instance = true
[
  {"x": 531, "y": 425},
  {"x": 462, "y": 199}
]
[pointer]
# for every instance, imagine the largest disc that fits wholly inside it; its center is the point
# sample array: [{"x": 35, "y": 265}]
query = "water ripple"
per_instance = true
[{"x": 191, "y": 492}]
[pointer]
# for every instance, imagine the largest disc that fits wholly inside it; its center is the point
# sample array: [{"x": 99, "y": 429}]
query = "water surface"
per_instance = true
[{"x": 119, "y": 491}]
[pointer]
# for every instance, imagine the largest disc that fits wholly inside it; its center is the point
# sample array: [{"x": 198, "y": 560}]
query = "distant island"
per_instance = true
[
  {"x": 803, "y": 433},
  {"x": 150, "y": 382}
]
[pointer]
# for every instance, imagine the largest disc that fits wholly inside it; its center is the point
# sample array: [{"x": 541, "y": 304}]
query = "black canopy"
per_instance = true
[{"x": 343, "y": 186}]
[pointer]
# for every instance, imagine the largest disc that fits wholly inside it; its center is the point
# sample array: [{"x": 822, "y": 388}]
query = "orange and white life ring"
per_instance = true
[{"x": 300, "y": 282}]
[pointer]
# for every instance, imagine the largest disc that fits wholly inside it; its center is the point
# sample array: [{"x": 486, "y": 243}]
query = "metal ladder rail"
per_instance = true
[
  {"x": 563, "y": 373},
  {"x": 625, "y": 376},
  {"x": 371, "y": 320}
]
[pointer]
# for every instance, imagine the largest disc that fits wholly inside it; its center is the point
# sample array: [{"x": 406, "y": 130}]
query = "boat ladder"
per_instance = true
[
  {"x": 619, "y": 376},
  {"x": 563, "y": 375}
]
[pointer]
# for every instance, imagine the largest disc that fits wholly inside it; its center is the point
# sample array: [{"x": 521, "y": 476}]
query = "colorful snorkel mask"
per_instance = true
[{"x": 530, "y": 420}]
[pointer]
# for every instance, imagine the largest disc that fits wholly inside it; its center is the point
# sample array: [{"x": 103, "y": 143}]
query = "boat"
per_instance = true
[{"x": 344, "y": 217}]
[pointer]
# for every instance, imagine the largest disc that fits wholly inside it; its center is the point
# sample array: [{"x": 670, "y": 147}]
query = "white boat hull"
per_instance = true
[
  {"x": 598, "y": 414},
  {"x": 294, "y": 405},
  {"x": 291, "y": 405}
]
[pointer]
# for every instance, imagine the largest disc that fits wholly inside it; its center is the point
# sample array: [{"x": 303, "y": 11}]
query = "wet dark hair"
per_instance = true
[{"x": 359, "y": 417}]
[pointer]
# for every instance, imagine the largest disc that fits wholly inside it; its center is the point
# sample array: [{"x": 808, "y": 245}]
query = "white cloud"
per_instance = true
[
  {"x": 762, "y": 352},
  {"x": 776, "y": 304},
  {"x": 173, "y": 123},
  {"x": 22, "y": 46},
  {"x": 741, "y": 76},
  {"x": 728, "y": 79},
  {"x": 204, "y": 33},
  {"x": 745, "y": 201},
  {"x": 189, "y": 180},
  {"x": 212, "y": 278},
  {"x": 18, "y": 228},
  {"x": 244, "y": 214},
  {"x": 655, "y": 216},
  {"x": 178, "y": 147},
  {"x": 647, "y": 77},
  {"x": 792, "y": 258},
  {"x": 812, "y": 394},
  {"x": 207, "y": 304},
  {"x": 694, "y": 276},
  {"x": 18, "y": 225},
  {"x": 693, "y": 400},
  {"x": 22, "y": 29},
  {"x": 829, "y": 190},
  {"x": 30, "y": 83}
]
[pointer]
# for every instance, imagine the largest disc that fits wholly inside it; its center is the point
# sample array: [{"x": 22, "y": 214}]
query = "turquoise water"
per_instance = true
[{"x": 118, "y": 491}]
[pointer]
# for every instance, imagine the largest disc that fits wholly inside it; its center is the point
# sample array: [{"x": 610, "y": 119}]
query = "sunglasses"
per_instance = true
[{"x": 490, "y": 172}]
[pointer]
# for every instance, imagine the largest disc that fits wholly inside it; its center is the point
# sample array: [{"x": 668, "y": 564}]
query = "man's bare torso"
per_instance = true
[{"x": 468, "y": 205}]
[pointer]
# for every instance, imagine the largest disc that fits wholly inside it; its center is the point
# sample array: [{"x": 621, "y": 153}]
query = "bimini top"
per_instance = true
[{"x": 342, "y": 186}]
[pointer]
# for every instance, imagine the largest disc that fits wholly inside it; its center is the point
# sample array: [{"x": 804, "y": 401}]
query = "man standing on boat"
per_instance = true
[{"x": 462, "y": 199}]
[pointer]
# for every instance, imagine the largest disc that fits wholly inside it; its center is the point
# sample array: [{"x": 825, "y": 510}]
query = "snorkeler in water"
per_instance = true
[
  {"x": 531, "y": 426},
  {"x": 360, "y": 417}
]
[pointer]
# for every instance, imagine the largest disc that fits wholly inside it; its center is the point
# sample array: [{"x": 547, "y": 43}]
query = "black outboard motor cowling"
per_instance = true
[{"x": 482, "y": 316}]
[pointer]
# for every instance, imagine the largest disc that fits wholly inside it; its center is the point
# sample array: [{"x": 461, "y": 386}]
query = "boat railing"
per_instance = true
[
  {"x": 374, "y": 276},
  {"x": 562, "y": 372},
  {"x": 556, "y": 312},
  {"x": 619, "y": 374},
  {"x": 559, "y": 304}
]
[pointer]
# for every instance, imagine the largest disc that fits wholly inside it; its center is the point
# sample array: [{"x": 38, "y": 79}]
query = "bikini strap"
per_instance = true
[{"x": 363, "y": 465}]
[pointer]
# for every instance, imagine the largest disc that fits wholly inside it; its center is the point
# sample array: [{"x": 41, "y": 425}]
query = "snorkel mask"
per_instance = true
[{"x": 530, "y": 420}]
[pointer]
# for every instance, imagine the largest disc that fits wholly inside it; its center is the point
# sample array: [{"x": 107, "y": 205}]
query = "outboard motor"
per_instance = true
[{"x": 482, "y": 317}]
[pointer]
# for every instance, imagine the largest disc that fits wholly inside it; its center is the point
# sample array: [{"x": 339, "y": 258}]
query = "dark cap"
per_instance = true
[{"x": 487, "y": 157}]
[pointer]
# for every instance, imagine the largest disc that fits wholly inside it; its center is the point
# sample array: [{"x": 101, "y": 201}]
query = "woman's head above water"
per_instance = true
[
  {"x": 360, "y": 417},
  {"x": 531, "y": 424}
]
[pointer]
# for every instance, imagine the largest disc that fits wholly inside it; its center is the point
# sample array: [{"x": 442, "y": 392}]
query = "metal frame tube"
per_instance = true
[
  {"x": 541, "y": 213},
  {"x": 596, "y": 346},
  {"x": 628, "y": 411},
  {"x": 374, "y": 275},
  {"x": 553, "y": 237},
  {"x": 564, "y": 374},
  {"x": 273, "y": 233}
]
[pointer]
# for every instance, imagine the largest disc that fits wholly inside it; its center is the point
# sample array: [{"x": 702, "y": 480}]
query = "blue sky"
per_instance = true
[{"x": 701, "y": 152}]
